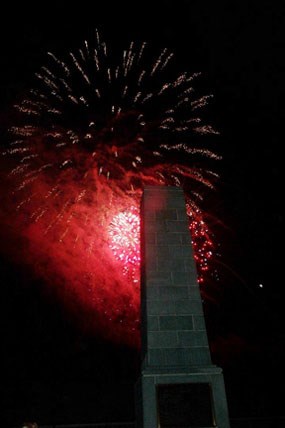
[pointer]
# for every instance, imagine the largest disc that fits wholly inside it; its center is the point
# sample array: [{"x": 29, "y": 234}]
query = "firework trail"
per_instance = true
[{"x": 89, "y": 136}]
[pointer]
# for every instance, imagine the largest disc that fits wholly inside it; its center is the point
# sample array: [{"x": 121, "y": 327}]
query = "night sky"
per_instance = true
[{"x": 52, "y": 371}]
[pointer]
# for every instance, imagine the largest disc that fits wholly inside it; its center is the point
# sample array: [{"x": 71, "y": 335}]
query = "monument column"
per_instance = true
[{"x": 179, "y": 386}]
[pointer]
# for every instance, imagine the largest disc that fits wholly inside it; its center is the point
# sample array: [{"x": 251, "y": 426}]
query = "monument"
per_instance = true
[{"x": 179, "y": 387}]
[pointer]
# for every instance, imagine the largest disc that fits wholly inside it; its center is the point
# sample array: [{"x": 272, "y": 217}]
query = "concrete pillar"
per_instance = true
[{"x": 179, "y": 385}]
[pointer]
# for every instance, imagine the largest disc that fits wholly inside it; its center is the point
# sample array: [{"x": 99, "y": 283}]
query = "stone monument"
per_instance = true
[{"x": 179, "y": 387}]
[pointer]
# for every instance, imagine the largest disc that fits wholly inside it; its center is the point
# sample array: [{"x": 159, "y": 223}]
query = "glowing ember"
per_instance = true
[{"x": 203, "y": 246}]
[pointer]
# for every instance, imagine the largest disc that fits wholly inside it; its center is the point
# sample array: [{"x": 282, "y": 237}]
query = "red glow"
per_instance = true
[
  {"x": 76, "y": 169},
  {"x": 203, "y": 246}
]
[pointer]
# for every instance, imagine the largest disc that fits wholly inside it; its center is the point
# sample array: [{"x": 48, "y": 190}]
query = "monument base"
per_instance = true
[{"x": 175, "y": 398}]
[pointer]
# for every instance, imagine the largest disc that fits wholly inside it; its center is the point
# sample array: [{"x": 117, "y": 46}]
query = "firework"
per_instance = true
[
  {"x": 90, "y": 135},
  {"x": 124, "y": 232}
]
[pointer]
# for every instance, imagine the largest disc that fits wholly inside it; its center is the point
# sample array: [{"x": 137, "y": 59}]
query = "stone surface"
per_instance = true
[{"x": 175, "y": 347}]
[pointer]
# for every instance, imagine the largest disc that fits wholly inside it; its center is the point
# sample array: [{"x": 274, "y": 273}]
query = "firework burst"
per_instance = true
[{"x": 91, "y": 134}]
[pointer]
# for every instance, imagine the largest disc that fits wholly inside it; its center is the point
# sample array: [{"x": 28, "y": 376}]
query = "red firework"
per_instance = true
[{"x": 91, "y": 134}]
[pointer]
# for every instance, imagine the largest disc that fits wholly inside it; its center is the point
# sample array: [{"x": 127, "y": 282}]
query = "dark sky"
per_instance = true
[{"x": 239, "y": 46}]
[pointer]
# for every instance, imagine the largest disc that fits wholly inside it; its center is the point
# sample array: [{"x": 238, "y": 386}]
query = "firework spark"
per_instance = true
[
  {"x": 91, "y": 134},
  {"x": 124, "y": 232}
]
